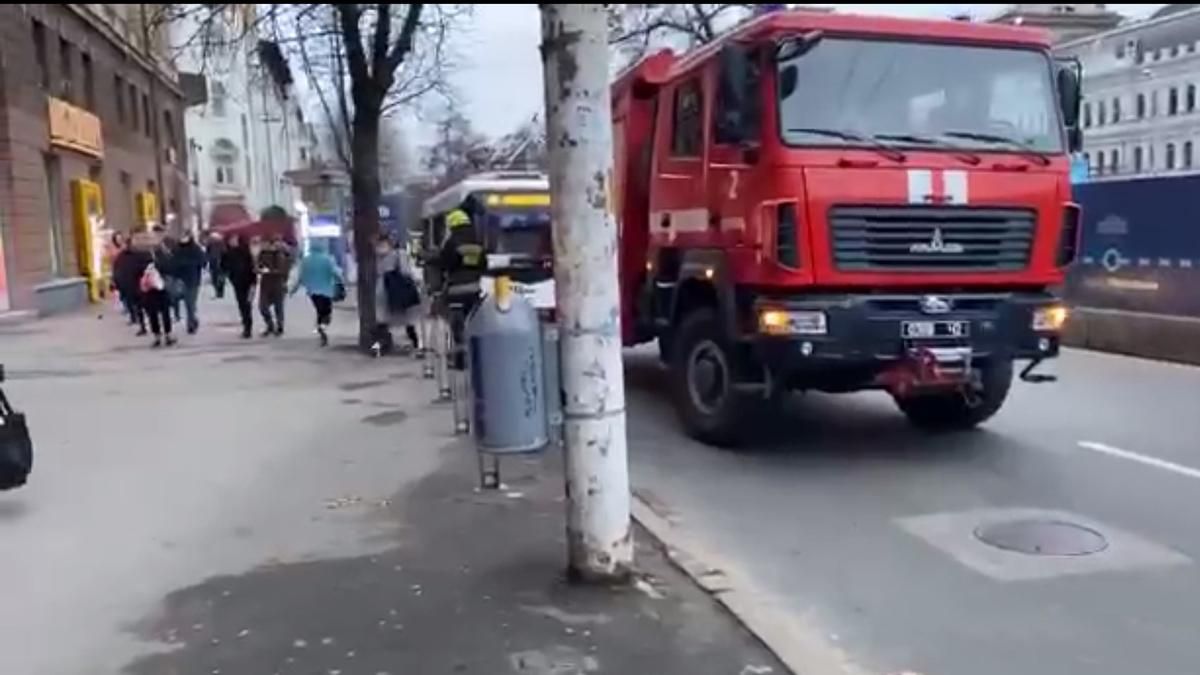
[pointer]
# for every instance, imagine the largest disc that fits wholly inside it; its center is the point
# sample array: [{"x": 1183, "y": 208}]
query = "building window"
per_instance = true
[
  {"x": 225, "y": 173},
  {"x": 66, "y": 71},
  {"x": 1087, "y": 115},
  {"x": 1174, "y": 51},
  {"x": 1190, "y": 98},
  {"x": 1101, "y": 114},
  {"x": 1116, "y": 110},
  {"x": 89, "y": 82},
  {"x": 1137, "y": 159},
  {"x": 1141, "y": 106},
  {"x": 1173, "y": 101},
  {"x": 1170, "y": 156},
  {"x": 169, "y": 131},
  {"x": 1087, "y": 159},
  {"x": 217, "y": 99},
  {"x": 1187, "y": 154},
  {"x": 39, "y": 48},
  {"x": 1100, "y": 163},
  {"x": 303, "y": 154},
  {"x": 688, "y": 127},
  {"x": 1154, "y": 104},
  {"x": 119, "y": 88},
  {"x": 1114, "y": 160},
  {"x": 147, "y": 120},
  {"x": 54, "y": 194},
  {"x": 133, "y": 107}
]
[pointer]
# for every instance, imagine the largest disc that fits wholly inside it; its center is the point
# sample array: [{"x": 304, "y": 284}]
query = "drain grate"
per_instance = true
[{"x": 1042, "y": 537}]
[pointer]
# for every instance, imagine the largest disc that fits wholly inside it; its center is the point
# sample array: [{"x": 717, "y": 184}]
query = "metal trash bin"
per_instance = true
[{"x": 505, "y": 345}]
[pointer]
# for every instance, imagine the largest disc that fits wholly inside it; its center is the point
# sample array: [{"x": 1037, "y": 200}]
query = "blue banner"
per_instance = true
[{"x": 1140, "y": 246}]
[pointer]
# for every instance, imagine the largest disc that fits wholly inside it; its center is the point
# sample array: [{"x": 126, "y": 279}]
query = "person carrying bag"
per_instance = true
[{"x": 16, "y": 446}]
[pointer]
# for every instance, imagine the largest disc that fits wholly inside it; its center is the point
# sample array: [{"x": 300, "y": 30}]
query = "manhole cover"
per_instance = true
[{"x": 1042, "y": 537}]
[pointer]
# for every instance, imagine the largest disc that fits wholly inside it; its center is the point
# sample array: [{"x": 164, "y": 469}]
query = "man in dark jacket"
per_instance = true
[
  {"x": 238, "y": 264},
  {"x": 274, "y": 262},
  {"x": 189, "y": 262},
  {"x": 461, "y": 263},
  {"x": 127, "y": 276},
  {"x": 214, "y": 248}
]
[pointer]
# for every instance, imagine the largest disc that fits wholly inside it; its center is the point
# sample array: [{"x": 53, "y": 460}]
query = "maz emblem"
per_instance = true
[{"x": 937, "y": 245}]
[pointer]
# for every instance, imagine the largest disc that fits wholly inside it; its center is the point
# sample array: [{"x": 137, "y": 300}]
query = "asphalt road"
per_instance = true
[{"x": 865, "y": 531}]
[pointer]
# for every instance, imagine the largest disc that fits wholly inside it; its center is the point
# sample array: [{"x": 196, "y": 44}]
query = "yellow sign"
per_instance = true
[
  {"x": 87, "y": 204},
  {"x": 75, "y": 128},
  {"x": 145, "y": 209},
  {"x": 517, "y": 199}
]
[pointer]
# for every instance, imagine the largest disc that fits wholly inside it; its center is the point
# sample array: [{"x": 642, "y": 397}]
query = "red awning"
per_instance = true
[{"x": 226, "y": 215}]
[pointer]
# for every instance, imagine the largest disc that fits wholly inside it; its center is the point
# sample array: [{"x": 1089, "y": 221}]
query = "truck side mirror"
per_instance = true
[{"x": 1069, "y": 101}]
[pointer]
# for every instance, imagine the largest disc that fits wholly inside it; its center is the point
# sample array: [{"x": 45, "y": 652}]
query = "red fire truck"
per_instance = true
[{"x": 840, "y": 203}]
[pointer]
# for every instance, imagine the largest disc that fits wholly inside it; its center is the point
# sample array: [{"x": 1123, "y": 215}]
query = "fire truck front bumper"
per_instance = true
[{"x": 868, "y": 332}]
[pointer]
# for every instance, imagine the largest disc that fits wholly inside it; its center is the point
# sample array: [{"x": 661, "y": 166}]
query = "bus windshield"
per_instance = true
[
  {"x": 857, "y": 91},
  {"x": 521, "y": 230}
]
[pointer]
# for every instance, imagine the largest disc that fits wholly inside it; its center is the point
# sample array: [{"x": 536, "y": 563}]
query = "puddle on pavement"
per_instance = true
[
  {"x": 366, "y": 384},
  {"x": 387, "y": 418}
]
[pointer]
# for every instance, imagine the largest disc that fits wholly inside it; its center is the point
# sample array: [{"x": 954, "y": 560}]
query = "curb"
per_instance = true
[{"x": 801, "y": 648}]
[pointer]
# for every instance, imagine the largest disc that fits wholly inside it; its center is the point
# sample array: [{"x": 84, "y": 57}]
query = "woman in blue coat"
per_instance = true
[{"x": 320, "y": 277}]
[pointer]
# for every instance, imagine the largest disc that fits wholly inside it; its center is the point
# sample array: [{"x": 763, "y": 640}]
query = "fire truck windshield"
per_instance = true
[{"x": 970, "y": 97}]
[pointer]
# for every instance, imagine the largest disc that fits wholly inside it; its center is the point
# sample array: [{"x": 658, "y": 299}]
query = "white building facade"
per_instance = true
[
  {"x": 249, "y": 132},
  {"x": 1141, "y": 113}
]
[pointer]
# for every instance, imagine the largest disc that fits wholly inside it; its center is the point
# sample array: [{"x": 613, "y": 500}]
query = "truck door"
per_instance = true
[{"x": 734, "y": 134}]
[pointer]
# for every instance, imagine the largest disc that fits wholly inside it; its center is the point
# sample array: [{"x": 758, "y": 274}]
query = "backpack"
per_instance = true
[
  {"x": 401, "y": 291},
  {"x": 16, "y": 446}
]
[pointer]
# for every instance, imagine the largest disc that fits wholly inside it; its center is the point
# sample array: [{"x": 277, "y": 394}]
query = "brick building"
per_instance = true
[{"x": 81, "y": 101}]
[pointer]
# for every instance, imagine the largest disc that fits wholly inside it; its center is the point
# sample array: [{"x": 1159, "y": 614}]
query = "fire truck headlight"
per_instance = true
[
  {"x": 789, "y": 322},
  {"x": 1050, "y": 319}
]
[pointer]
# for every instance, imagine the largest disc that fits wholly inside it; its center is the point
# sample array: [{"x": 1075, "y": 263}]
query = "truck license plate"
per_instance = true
[{"x": 920, "y": 330}]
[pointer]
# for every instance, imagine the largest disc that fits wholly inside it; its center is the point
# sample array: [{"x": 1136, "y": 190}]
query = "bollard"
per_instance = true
[{"x": 441, "y": 359}]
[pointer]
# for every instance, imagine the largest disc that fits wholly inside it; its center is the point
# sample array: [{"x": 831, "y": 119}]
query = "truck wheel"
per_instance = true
[
  {"x": 702, "y": 376},
  {"x": 958, "y": 410}
]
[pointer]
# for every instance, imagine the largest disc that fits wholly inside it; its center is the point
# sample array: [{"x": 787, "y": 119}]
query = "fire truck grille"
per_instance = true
[{"x": 931, "y": 238}]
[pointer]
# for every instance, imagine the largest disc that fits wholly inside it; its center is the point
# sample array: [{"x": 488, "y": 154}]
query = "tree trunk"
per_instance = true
[{"x": 365, "y": 193}]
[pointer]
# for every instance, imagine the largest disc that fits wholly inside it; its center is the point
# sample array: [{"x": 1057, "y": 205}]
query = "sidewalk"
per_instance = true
[
  {"x": 332, "y": 528},
  {"x": 475, "y": 585}
]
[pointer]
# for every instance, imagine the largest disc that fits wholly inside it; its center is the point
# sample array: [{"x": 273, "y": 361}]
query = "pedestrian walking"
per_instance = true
[
  {"x": 188, "y": 263},
  {"x": 156, "y": 303},
  {"x": 128, "y": 266},
  {"x": 273, "y": 263},
  {"x": 396, "y": 295},
  {"x": 164, "y": 259},
  {"x": 320, "y": 276},
  {"x": 237, "y": 264},
  {"x": 214, "y": 250}
]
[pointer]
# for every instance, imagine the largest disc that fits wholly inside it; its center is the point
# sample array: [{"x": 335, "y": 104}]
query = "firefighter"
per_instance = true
[{"x": 461, "y": 262}]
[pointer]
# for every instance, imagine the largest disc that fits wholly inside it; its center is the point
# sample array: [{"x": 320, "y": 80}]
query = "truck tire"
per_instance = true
[
  {"x": 703, "y": 368},
  {"x": 956, "y": 410}
]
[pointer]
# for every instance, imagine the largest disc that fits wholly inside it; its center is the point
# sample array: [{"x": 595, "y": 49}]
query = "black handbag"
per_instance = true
[
  {"x": 16, "y": 446},
  {"x": 339, "y": 291}
]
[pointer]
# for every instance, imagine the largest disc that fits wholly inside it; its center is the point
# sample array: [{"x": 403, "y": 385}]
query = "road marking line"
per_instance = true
[{"x": 1144, "y": 459}]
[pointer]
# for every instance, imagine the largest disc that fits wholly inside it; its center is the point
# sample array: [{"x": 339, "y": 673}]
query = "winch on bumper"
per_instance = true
[{"x": 923, "y": 339}]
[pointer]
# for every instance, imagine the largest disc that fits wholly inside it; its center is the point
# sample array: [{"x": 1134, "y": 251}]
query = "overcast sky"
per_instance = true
[{"x": 501, "y": 80}]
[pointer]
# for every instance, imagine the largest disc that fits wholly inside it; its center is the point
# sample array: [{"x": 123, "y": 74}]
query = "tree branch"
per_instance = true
[
  {"x": 383, "y": 35},
  {"x": 349, "y": 16},
  {"x": 404, "y": 42}
]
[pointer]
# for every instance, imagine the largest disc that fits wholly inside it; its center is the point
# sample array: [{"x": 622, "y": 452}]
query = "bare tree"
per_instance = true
[
  {"x": 636, "y": 29},
  {"x": 458, "y": 150}
]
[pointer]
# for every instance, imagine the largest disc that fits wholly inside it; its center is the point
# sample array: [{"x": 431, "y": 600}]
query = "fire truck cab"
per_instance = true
[{"x": 839, "y": 203}]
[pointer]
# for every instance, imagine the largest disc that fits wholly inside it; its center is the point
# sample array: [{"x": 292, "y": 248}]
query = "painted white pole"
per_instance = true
[{"x": 579, "y": 139}]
